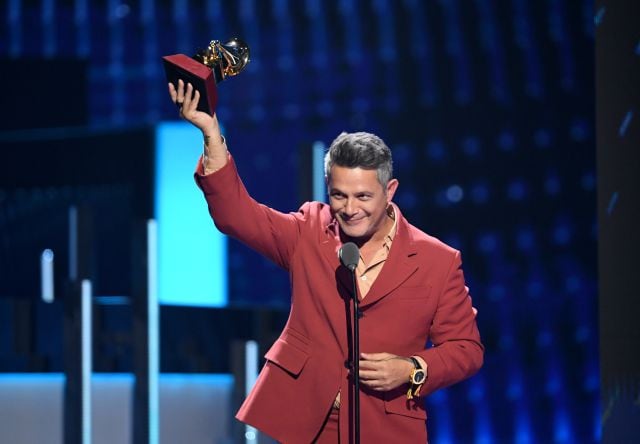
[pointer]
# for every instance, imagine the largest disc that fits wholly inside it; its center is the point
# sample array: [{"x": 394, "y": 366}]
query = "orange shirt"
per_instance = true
[{"x": 367, "y": 273}]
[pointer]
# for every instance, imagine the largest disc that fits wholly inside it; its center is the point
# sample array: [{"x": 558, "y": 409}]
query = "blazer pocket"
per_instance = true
[
  {"x": 290, "y": 352},
  {"x": 395, "y": 401}
]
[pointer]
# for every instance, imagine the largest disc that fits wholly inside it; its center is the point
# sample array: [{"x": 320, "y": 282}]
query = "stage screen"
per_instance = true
[{"x": 192, "y": 253}]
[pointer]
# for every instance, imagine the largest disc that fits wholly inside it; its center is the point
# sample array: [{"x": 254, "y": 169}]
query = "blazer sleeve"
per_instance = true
[
  {"x": 235, "y": 213},
  {"x": 457, "y": 352}
]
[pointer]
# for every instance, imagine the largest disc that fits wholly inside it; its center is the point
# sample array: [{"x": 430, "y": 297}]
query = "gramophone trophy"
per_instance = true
[{"x": 207, "y": 68}]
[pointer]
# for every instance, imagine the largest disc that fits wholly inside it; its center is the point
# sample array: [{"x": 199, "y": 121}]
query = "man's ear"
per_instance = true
[{"x": 392, "y": 186}]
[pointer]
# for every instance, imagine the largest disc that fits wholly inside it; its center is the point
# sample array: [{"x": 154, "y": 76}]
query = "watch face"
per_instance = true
[{"x": 418, "y": 377}]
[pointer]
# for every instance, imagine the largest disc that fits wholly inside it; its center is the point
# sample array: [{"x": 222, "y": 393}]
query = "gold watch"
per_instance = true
[{"x": 416, "y": 379}]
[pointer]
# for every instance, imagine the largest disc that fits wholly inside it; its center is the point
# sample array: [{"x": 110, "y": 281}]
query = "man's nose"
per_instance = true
[{"x": 350, "y": 207}]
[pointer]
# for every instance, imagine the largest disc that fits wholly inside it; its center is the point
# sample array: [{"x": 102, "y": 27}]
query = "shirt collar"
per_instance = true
[{"x": 388, "y": 239}]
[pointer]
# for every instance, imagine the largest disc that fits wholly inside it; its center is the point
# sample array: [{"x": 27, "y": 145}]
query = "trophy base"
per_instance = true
[{"x": 180, "y": 66}]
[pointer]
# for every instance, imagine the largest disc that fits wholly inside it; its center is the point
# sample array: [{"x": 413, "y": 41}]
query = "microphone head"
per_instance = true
[{"x": 349, "y": 255}]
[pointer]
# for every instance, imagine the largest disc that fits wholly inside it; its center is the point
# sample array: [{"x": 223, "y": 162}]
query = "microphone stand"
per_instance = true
[
  {"x": 349, "y": 256},
  {"x": 356, "y": 357}
]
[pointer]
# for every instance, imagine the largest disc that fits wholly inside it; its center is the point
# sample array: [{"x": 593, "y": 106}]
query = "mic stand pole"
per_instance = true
[{"x": 356, "y": 357}]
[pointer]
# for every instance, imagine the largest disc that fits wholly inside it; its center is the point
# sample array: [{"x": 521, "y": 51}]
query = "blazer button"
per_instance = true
[{"x": 347, "y": 364}]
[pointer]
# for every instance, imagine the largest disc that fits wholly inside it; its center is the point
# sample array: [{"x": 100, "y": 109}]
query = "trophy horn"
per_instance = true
[
  {"x": 236, "y": 56},
  {"x": 226, "y": 59}
]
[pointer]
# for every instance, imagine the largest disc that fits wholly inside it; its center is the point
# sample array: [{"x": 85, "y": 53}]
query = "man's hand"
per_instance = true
[
  {"x": 186, "y": 99},
  {"x": 384, "y": 371}
]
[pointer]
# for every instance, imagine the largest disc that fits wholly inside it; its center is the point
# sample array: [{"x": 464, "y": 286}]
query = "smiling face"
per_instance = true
[{"x": 359, "y": 202}]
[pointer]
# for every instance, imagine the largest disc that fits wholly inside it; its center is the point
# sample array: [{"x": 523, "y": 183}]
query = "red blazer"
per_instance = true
[{"x": 419, "y": 296}]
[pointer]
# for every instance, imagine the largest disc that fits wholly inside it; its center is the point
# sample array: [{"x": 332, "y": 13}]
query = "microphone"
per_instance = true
[{"x": 349, "y": 255}]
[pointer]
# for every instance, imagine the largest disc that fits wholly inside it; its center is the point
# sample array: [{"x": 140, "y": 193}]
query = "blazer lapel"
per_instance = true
[
  {"x": 401, "y": 263},
  {"x": 330, "y": 247}
]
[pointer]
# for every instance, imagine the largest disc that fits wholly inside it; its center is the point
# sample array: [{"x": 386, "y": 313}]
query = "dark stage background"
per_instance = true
[
  {"x": 618, "y": 100},
  {"x": 488, "y": 107}
]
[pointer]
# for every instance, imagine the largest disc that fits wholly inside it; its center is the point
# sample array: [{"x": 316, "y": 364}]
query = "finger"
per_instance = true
[
  {"x": 186, "y": 103},
  {"x": 374, "y": 385},
  {"x": 369, "y": 365},
  {"x": 180, "y": 96},
  {"x": 368, "y": 375},
  {"x": 376, "y": 356},
  {"x": 193, "y": 105},
  {"x": 173, "y": 93},
  {"x": 368, "y": 383}
]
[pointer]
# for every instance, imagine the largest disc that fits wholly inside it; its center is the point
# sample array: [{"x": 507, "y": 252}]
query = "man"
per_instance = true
[{"x": 411, "y": 289}]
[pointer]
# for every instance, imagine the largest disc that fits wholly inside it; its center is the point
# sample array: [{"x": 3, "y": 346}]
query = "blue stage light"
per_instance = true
[
  {"x": 592, "y": 378},
  {"x": 582, "y": 334},
  {"x": 552, "y": 184},
  {"x": 597, "y": 18},
  {"x": 487, "y": 243},
  {"x": 535, "y": 288},
  {"x": 522, "y": 427},
  {"x": 561, "y": 234},
  {"x": 579, "y": 129},
  {"x": 561, "y": 427},
  {"x": 572, "y": 284},
  {"x": 525, "y": 39},
  {"x": 291, "y": 111},
  {"x": 506, "y": 341},
  {"x": 496, "y": 292},
  {"x": 455, "y": 193},
  {"x": 436, "y": 151},
  {"x": 542, "y": 138},
  {"x": 514, "y": 388},
  {"x": 588, "y": 181},
  {"x": 471, "y": 146},
  {"x": 492, "y": 42},
  {"x": 525, "y": 239},
  {"x": 517, "y": 190},
  {"x": 506, "y": 140},
  {"x": 456, "y": 49},
  {"x": 257, "y": 113},
  {"x": 482, "y": 416},
  {"x": 544, "y": 339},
  {"x": 192, "y": 262},
  {"x": 442, "y": 420}
]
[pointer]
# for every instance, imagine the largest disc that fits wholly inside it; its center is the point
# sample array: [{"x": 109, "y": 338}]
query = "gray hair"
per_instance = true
[{"x": 360, "y": 150}]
